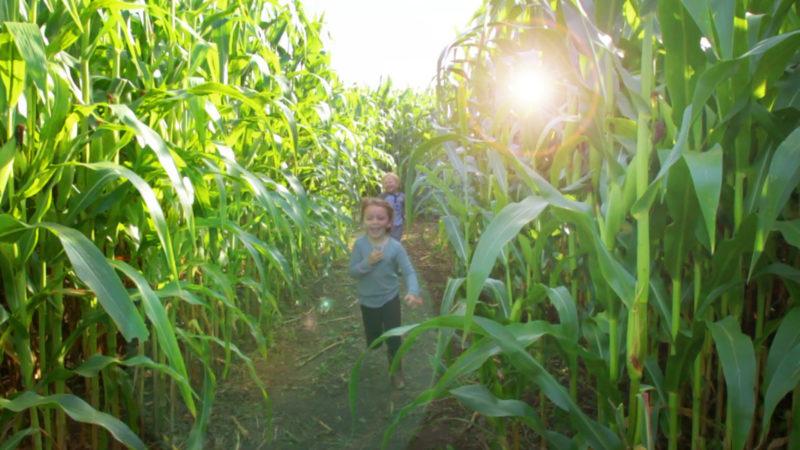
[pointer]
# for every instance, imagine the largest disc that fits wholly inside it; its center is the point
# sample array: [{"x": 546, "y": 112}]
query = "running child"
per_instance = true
[
  {"x": 376, "y": 261},
  {"x": 391, "y": 193}
]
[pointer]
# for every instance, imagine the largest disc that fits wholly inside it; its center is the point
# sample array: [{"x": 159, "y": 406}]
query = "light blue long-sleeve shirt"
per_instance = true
[{"x": 380, "y": 282}]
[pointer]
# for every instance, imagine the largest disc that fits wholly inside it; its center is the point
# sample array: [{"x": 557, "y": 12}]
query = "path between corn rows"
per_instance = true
[{"x": 307, "y": 371}]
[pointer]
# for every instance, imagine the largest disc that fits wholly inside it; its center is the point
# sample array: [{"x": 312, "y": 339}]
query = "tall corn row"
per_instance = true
[
  {"x": 168, "y": 170},
  {"x": 648, "y": 218}
]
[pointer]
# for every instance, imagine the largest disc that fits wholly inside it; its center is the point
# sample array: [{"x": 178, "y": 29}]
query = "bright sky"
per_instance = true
[{"x": 370, "y": 39}]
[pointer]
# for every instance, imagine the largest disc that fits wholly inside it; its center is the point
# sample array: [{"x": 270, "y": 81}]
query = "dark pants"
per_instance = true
[{"x": 379, "y": 320}]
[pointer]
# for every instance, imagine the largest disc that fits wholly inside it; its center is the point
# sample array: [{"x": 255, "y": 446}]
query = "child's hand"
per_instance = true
[
  {"x": 413, "y": 300},
  {"x": 375, "y": 257}
]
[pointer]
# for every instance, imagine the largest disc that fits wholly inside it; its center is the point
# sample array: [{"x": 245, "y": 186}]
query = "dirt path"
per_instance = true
[{"x": 308, "y": 368}]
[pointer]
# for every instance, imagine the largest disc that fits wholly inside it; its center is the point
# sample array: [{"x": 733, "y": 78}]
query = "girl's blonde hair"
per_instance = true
[
  {"x": 391, "y": 175},
  {"x": 373, "y": 201}
]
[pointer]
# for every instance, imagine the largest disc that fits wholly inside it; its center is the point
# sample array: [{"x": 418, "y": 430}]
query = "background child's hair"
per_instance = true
[
  {"x": 392, "y": 175},
  {"x": 372, "y": 201}
]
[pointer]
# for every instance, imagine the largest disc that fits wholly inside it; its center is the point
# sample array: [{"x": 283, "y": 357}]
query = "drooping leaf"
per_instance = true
[
  {"x": 567, "y": 311},
  {"x": 782, "y": 179},
  {"x": 782, "y": 372},
  {"x": 467, "y": 362},
  {"x": 478, "y": 398},
  {"x": 150, "y": 200},
  {"x": 78, "y": 410},
  {"x": 706, "y": 171},
  {"x": 93, "y": 269},
  {"x": 157, "y": 314},
  {"x": 92, "y": 366},
  {"x": 738, "y": 359},
  {"x": 787, "y": 337},
  {"x": 455, "y": 236},
  {"x": 147, "y": 137}
]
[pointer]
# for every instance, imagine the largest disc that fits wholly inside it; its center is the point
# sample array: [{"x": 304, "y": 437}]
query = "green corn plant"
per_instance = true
[
  {"x": 169, "y": 172},
  {"x": 675, "y": 117}
]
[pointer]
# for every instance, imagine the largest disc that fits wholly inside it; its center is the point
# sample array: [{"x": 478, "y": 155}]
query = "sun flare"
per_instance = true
[{"x": 531, "y": 88}]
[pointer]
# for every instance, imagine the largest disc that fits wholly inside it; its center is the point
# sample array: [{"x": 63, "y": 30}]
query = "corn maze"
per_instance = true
[{"x": 624, "y": 241}]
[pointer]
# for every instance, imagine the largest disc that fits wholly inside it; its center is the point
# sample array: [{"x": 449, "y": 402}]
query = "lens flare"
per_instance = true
[
  {"x": 531, "y": 89},
  {"x": 325, "y": 305}
]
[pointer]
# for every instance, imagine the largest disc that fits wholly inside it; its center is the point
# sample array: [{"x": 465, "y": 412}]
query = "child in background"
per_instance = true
[
  {"x": 391, "y": 193},
  {"x": 375, "y": 262}
]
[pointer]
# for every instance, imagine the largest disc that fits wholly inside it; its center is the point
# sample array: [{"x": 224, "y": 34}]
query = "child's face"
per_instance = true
[
  {"x": 390, "y": 184},
  {"x": 376, "y": 221}
]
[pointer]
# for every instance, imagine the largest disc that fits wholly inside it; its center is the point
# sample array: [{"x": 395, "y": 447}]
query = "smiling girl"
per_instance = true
[{"x": 376, "y": 262}]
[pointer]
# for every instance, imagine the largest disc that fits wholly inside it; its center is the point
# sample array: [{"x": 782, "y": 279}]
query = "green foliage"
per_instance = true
[
  {"x": 206, "y": 151},
  {"x": 666, "y": 161}
]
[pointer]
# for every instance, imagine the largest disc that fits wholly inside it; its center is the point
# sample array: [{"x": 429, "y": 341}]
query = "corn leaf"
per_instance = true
[
  {"x": 455, "y": 236},
  {"x": 11, "y": 229},
  {"x": 467, "y": 362},
  {"x": 787, "y": 337},
  {"x": 93, "y": 269},
  {"x": 80, "y": 202},
  {"x": 567, "y": 312},
  {"x": 78, "y": 410},
  {"x": 722, "y": 12},
  {"x": 31, "y": 46},
  {"x": 682, "y": 37},
  {"x": 6, "y": 164},
  {"x": 681, "y": 203},
  {"x": 13, "y": 442},
  {"x": 782, "y": 179},
  {"x": 508, "y": 222},
  {"x": 700, "y": 10},
  {"x": 738, "y": 359},
  {"x": 147, "y": 137},
  {"x": 478, "y": 398},
  {"x": 92, "y": 366},
  {"x": 165, "y": 333},
  {"x": 411, "y": 169},
  {"x": 706, "y": 171},
  {"x": 596, "y": 434},
  {"x": 150, "y": 200},
  {"x": 790, "y": 229},
  {"x": 614, "y": 273},
  {"x": 688, "y": 347},
  {"x": 643, "y": 203},
  {"x": 782, "y": 372}
]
